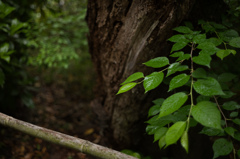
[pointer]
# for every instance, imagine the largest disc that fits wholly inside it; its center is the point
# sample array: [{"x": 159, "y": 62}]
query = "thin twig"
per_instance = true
[{"x": 225, "y": 119}]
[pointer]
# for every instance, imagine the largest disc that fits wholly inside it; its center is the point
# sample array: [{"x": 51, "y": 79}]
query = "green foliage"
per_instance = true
[
  {"x": 208, "y": 92},
  {"x": 14, "y": 81},
  {"x": 57, "y": 39}
]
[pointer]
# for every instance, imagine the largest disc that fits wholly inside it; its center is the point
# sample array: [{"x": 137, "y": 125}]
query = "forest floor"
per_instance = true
[{"x": 60, "y": 106}]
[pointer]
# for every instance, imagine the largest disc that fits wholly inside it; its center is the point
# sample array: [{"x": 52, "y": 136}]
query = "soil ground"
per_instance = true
[{"x": 60, "y": 107}]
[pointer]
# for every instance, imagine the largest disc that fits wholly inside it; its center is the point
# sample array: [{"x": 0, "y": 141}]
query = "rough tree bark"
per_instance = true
[{"x": 122, "y": 35}]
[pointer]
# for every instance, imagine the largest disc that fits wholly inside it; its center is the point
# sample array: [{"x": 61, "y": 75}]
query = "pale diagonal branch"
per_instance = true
[{"x": 81, "y": 145}]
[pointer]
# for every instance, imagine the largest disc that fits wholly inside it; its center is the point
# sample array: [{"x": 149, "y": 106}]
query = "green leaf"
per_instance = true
[
  {"x": 126, "y": 87},
  {"x": 177, "y": 54},
  {"x": 228, "y": 94},
  {"x": 231, "y": 105},
  {"x": 160, "y": 133},
  {"x": 162, "y": 142},
  {"x": 207, "y": 114},
  {"x": 222, "y": 147},
  {"x": 224, "y": 53},
  {"x": 208, "y": 87},
  {"x": 151, "y": 129},
  {"x": 5, "y": 10},
  {"x": 157, "y": 62},
  {"x": 160, "y": 122},
  {"x": 184, "y": 57},
  {"x": 175, "y": 132},
  {"x": 178, "y": 81},
  {"x": 238, "y": 153},
  {"x": 199, "y": 73},
  {"x": 158, "y": 101},
  {"x": 203, "y": 59},
  {"x": 173, "y": 103},
  {"x": 152, "y": 81},
  {"x": 230, "y": 131},
  {"x": 236, "y": 121},
  {"x": 235, "y": 42},
  {"x": 207, "y": 46},
  {"x": 177, "y": 38},
  {"x": 133, "y": 77},
  {"x": 228, "y": 35},
  {"x": 154, "y": 110},
  {"x": 202, "y": 98},
  {"x": 200, "y": 38},
  {"x": 184, "y": 140},
  {"x": 4, "y": 48},
  {"x": 233, "y": 114},
  {"x": 176, "y": 67},
  {"x": 183, "y": 29},
  {"x": 215, "y": 41},
  {"x": 211, "y": 131},
  {"x": 226, "y": 77},
  {"x": 179, "y": 45},
  {"x": 2, "y": 78}
]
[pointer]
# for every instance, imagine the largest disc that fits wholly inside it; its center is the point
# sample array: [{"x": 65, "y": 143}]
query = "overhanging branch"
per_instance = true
[{"x": 81, "y": 145}]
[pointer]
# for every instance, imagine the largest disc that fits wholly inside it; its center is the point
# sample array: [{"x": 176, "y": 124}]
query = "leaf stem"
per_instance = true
[
  {"x": 225, "y": 119},
  {"x": 191, "y": 89}
]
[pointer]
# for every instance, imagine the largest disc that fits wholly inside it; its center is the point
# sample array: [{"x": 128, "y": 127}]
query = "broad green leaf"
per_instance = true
[
  {"x": 154, "y": 110},
  {"x": 175, "y": 132},
  {"x": 2, "y": 78},
  {"x": 207, "y": 114},
  {"x": 162, "y": 142},
  {"x": 4, "y": 48},
  {"x": 176, "y": 67},
  {"x": 230, "y": 131},
  {"x": 173, "y": 103},
  {"x": 208, "y": 52},
  {"x": 160, "y": 133},
  {"x": 211, "y": 131},
  {"x": 202, "y": 98},
  {"x": 199, "y": 73},
  {"x": 126, "y": 87},
  {"x": 228, "y": 35},
  {"x": 208, "y": 87},
  {"x": 178, "y": 81},
  {"x": 177, "y": 38},
  {"x": 179, "y": 45},
  {"x": 184, "y": 57},
  {"x": 215, "y": 41},
  {"x": 184, "y": 140},
  {"x": 158, "y": 101},
  {"x": 222, "y": 147},
  {"x": 157, "y": 62},
  {"x": 235, "y": 42},
  {"x": 133, "y": 77},
  {"x": 207, "y": 46},
  {"x": 160, "y": 122},
  {"x": 151, "y": 129},
  {"x": 183, "y": 29},
  {"x": 217, "y": 26},
  {"x": 152, "y": 81},
  {"x": 236, "y": 121},
  {"x": 233, "y": 114},
  {"x": 237, "y": 135},
  {"x": 177, "y": 54},
  {"x": 203, "y": 59},
  {"x": 231, "y": 105},
  {"x": 228, "y": 94},
  {"x": 226, "y": 77},
  {"x": 5, "y": 10},
  {"x": 224, "y": 53},
  {"x": 200, "y": 38}
]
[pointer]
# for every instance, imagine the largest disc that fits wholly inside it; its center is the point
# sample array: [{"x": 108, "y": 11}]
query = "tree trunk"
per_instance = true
[{"x": 122, "y": 35}]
